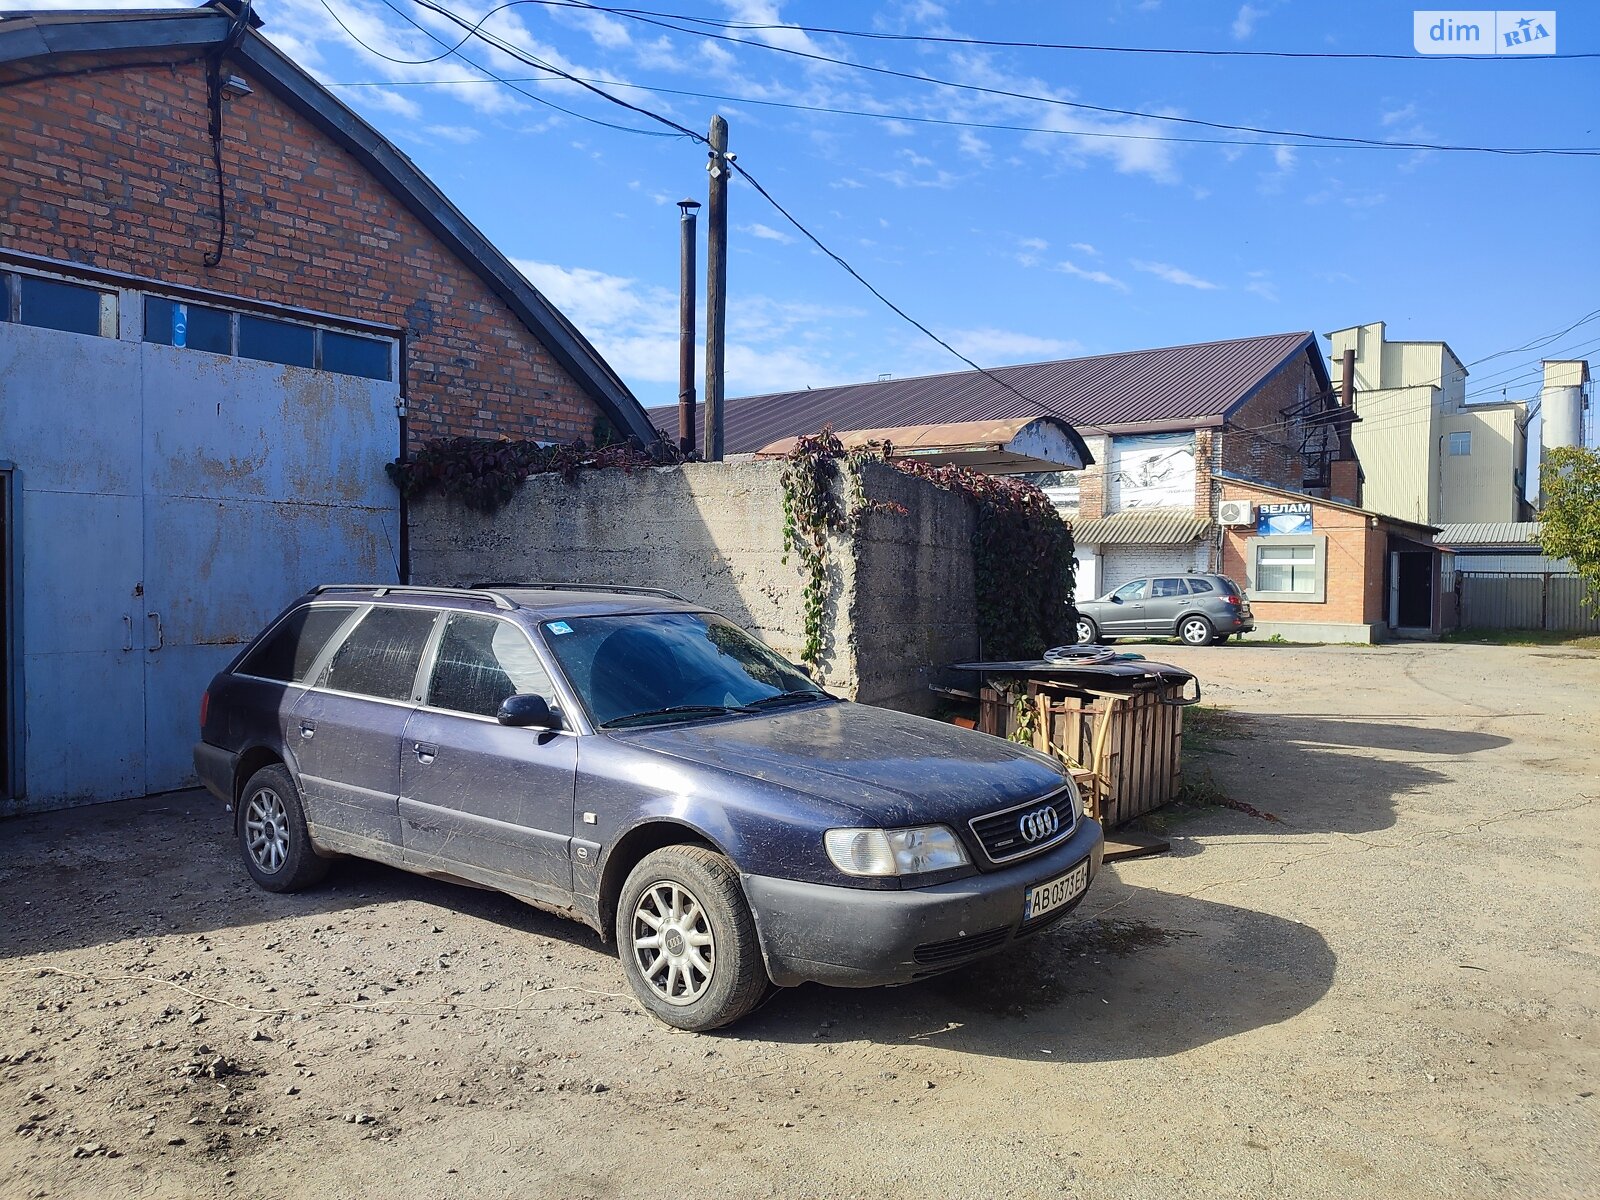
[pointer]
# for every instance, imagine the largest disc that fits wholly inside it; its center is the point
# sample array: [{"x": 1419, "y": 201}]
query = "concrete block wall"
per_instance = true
[{"x": 903, "y": 599}]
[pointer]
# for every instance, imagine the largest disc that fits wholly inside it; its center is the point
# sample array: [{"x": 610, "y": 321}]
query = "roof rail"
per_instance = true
[
  {"x": 587, "y": 587},
  {"x": 383, "y": 589}
]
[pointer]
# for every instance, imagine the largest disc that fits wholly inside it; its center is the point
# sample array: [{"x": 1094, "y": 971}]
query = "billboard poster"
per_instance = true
[{"x": 1283, "y": 518}]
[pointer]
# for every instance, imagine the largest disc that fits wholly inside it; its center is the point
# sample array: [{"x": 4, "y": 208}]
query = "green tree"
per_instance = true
[{"x": 1571, "y": 513}]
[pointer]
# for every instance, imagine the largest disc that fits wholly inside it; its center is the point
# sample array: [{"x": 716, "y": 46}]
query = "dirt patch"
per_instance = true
[{"x": 1390, "y": 993}]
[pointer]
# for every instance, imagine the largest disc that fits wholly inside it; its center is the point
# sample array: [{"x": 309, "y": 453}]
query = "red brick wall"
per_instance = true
[
  {"x": 114, "y": 170},
  {"x": 1353, "y": 593},
  {"x": 1256, "y": 443}
]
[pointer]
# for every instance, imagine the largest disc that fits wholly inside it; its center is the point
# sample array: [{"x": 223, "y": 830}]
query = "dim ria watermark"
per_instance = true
[{"x": 1463, "y": 31}]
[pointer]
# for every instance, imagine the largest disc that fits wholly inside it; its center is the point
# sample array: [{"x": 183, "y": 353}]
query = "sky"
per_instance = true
[{"x": 1016, "y": 227}]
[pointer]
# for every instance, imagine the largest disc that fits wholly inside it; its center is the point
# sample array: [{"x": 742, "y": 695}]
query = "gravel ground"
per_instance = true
[{"x": 1388, "y": 991}]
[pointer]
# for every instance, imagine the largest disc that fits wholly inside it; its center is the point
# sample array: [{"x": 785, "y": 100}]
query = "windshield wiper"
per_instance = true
[
  {"x": 675, "y": 710},
  {"x": 795, "y": 697}
]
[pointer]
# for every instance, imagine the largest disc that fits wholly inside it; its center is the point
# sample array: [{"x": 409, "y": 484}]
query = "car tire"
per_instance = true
[
  {"x": 1196, "y": 631},
  {"x": 1088, "y": 631},
  {"x": 706, "y": 970},
  {"x": 273, "y": 839}
]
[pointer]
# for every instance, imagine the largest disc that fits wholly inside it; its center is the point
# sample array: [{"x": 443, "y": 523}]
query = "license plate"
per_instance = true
[{"x": 1063, "y": 889}]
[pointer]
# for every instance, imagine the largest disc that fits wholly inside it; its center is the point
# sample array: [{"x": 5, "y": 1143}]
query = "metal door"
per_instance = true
[
  {"x": 67, "y": 424},
  {"x": 260, "y": 481}
]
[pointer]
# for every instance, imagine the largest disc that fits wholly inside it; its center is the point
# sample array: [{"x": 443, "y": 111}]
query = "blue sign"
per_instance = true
[{"x": 1283, "y": 518}]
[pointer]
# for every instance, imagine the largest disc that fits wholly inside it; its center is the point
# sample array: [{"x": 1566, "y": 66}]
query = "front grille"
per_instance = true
[
  {"x": 1001, "y": 833},
  {"x": 932, "y": 953}
]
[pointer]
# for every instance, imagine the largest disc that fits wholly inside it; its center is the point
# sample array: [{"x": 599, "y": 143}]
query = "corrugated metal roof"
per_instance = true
[
  {"x": 1495, "y": 533},
  {"x": 1142, "y": 527},
  {"x": 1174, "y": 384}
]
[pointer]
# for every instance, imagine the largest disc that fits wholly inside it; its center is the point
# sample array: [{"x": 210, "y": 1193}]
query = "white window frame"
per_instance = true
[
  {"x": 1319, "y": 567},
  {"x": 1465, "y": 439}
]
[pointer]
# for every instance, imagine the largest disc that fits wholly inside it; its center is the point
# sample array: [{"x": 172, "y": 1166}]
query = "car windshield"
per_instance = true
[{"x": 641, "y": 668}]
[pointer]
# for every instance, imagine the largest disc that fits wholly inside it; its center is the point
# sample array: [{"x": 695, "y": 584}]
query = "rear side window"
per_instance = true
[
  {"x": 1165, "y": 589},
  {"x": 481, "y": 661},
  {"x": 291, "y": 648},
  {"x": 1200, "y": 585},
  {"x": 380, "y": 657}
]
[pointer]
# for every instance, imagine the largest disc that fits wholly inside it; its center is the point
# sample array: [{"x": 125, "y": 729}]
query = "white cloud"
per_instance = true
[
  {"x": 1174, "y": 275},
  {"x": 1085, "y": 248},
  {"x": 990, "y": 346},
  {"x": 1100, "y": 277},
  {"x": 460, "y": 134},
  {"x": 1033, "y": 243},
  {"x": 766, "y": 233},
  {"x": 1262, "y": 286},
  {"x": 973, "y": 146},
  {"x": 1245, "y": 23},
  {"x": 772, "y": 345},
  {"x": 1397, "y": 115},
  {"x": 1284, "y": 157}
]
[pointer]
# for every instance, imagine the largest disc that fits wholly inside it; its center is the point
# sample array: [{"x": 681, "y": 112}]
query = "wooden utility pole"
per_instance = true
[
  {"x": 716, "y": 283},
  {"x": 686, "y": 325}
]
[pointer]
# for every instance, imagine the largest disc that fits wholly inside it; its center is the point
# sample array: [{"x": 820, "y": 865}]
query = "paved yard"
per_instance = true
[{"x": 1391, "y": 992}]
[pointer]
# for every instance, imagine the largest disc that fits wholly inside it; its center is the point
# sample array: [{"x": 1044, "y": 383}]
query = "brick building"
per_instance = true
[
  {"x": 204, "y": 371},
  {"x": 1162, "y": 426},
  {"x": 1316, "y": 569}
]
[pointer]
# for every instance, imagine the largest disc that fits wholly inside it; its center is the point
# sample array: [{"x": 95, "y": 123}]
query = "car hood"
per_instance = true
[{"x": 893, "y": 768}]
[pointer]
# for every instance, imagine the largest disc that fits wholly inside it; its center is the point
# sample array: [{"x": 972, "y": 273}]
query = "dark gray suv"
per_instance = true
[
  {"x": 645, "y": 766},
  {"x": 1200, "y": 609}
]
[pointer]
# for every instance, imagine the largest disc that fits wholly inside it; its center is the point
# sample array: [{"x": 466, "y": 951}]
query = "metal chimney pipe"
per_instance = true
[{"x": 686, "y": 438}]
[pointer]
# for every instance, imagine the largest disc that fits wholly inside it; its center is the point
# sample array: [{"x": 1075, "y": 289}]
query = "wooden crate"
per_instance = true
[{"x": 1125, "y": 751}]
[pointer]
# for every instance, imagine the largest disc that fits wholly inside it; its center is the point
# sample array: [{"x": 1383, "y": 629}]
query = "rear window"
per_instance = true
[
  {"x": 381, "y": 656},
  {"x": 291, "y": 648}
]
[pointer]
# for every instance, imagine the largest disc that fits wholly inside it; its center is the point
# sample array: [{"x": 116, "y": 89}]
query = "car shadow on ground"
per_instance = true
[
  {"x": 1319, "y": 774},
  {"x": 1134, "y": 973}
]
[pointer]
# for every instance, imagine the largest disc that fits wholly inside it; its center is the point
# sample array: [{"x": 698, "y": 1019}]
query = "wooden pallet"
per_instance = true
[{"x": 1124, "y": 751}]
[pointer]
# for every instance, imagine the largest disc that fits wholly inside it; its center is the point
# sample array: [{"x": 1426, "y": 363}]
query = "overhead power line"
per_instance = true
[
  {"x": 907, "y": 118},
  {"x": 931, "y": 39},
  {"x": 1076, "y": 105}
]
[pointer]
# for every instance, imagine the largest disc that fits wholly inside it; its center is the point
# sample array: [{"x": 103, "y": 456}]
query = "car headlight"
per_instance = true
[
  {"x": 917, "y": 851},
  {"x": 1077, "y": 799}
]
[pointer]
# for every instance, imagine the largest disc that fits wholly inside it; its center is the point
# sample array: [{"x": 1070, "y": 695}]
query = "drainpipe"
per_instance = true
[
  {"x": 686, "y": 325},
  {"x": 402, "y": 409}
]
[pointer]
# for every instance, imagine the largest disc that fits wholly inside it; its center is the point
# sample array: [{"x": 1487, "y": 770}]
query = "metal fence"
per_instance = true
[{"x": 1507, "y": 600}]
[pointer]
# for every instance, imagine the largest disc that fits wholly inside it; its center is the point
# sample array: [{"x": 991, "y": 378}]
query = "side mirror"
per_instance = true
[
  {"x": 1114, "y": 599},
  {"x": 528, "y": 712}
]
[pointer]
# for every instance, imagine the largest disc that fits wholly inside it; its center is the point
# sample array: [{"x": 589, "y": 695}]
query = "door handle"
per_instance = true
[
  {"x": 426, "y": 752},
  {"x": 308, "y": 729},
  {"x": 160, "y": 637},
  {"x": 127, "y": 631}
]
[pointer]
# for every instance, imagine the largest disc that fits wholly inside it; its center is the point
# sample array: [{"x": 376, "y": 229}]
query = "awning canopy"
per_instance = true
[
  {"x": 1142, "y": 527},
  {"x": 1013, "y": 447}
]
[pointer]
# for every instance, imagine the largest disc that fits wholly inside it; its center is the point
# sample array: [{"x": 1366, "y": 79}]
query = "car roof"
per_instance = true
[{"x": 540, "y": 601}]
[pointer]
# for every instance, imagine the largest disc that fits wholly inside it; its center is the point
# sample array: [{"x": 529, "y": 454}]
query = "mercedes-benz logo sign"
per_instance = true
[{"x": 1039, "y": 824}]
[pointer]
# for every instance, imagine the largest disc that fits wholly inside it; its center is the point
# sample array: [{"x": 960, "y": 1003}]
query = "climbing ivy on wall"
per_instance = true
[
  {"x": 486, "y": 472},
  {"x": 822, "y": 497},
  {"x": 1022, "y": 561}
]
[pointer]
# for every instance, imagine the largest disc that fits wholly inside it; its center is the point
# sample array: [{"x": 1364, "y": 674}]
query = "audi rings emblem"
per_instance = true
[{"x": 1039, "y": 824}]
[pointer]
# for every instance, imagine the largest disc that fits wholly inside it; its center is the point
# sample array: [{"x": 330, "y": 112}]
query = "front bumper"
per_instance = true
[{"x": 852, "y": 937}]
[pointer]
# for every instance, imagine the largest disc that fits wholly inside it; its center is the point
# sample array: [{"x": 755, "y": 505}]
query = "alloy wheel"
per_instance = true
[
  {"x": 266, "y": 825},
  {"x": 673, "y": 943}
]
